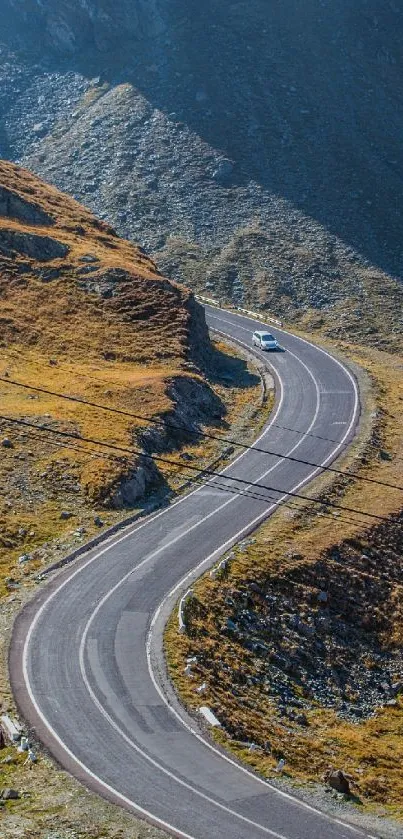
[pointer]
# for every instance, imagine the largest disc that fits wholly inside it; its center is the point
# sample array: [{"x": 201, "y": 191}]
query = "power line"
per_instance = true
[
  {"x": 203, "y": 434},
  {"x": 273, "y": 425},
  {"x": 89, "y": 452},
  {"x": 202, "y": 482},
  {"x": 289, "y": 505},
  {"x": 245, "y": 493},
  {"x": 198, "y": 470}
]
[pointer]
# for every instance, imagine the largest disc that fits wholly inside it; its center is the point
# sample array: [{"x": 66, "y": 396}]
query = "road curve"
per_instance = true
[{"x": 80, "y": 660}]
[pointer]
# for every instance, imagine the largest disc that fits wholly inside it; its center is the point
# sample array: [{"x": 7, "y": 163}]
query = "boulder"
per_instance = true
[
  {"x": 14, "y": 206},
  {"x": 39, "y": 129},
  {"x": 88, "y": 257},
  {"x": 338, "y": 781},
  {"x": 224, "y": 170},
  {"x": 42, "y": 248},
  {"x": 9, "y": 794}
]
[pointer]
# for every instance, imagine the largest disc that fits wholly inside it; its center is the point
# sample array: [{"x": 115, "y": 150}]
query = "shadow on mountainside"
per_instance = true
[{"x": 307, "y": 101}]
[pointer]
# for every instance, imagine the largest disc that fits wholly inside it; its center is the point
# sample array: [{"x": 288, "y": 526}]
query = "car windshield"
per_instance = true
[{"x": 267, "y": 337}]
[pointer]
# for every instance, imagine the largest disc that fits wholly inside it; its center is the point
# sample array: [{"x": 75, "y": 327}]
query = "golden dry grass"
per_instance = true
[
  {"x": 27, "y": 501},
  {"x": 148, "y": 318},
  {"x": 59, "y": 332}
]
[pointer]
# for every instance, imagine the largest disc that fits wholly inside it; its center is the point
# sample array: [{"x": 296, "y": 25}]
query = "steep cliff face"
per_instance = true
[
  {"x": 187, "y": 123},
  {"x": 67, "y": 27}
]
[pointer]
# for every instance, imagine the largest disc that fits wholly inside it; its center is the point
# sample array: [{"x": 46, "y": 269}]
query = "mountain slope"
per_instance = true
[
  {"x": 186, "y": 124},
  {"x": 119, "y": 304},
  {"x": 85, "y": 314}
]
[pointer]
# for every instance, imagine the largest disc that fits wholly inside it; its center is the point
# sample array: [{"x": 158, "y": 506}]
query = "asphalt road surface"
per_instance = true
[{"x": 82, "y": 661}]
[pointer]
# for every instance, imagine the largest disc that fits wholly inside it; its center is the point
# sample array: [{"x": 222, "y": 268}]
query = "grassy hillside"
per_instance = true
[
  {"x": 70, "y": 285},
  {"x": 86, "y": 314}
]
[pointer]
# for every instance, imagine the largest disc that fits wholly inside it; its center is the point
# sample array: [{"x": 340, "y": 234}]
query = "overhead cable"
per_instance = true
[
  {"x": 203, "y": 434},
  {"x": 195, "y": 469}
]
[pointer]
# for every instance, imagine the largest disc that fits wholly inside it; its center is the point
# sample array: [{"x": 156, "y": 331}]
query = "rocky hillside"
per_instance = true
[
  {"x": 62, "y": 268},
  {"x": 85, "y": 314},
  {"x": 249, "y": 147},
  {"x": 305, "y": 661},
  {"x": 297, "y": 638}
]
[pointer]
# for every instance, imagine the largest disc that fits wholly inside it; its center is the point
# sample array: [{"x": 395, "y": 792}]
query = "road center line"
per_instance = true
[{"x": 147, "y": 559}]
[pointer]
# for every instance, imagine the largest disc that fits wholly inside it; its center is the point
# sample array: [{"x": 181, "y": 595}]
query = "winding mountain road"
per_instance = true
[{"x": 85, "y": 658}]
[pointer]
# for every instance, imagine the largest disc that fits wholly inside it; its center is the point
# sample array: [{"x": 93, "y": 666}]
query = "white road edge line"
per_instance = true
[
  {"x": 206, "y": 563},
  {"x": 145, "y": 561},
  {"x": 125, "y": 536},
  {"x": 154, "y": 762},
  {"x": 182, "y": 584},
  {"x": 81, "y": 568}
]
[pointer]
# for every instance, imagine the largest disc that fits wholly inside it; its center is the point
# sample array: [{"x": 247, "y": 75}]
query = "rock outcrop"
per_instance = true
[
  {"x": 69, "y": 27},
  {"x": 338, "y": 781},
  {"x": 40, "y": 248},
  {"x": 16, "y": 207}
]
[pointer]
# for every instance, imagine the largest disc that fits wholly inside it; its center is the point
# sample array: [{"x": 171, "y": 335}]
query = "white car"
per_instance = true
[{"x": 265, "y": 341}]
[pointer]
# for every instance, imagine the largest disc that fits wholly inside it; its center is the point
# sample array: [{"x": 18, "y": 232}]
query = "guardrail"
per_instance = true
[
  {"x": 11, "y": 727},
  {"x": 211, "y": 302},
  {"x": 209, "y": 716},
  {"x": 220, "y": 567},
  {"x": 181, "y": 612},
  {"x": 260, "y": 316},
  {"x": 208, "y": 300}
]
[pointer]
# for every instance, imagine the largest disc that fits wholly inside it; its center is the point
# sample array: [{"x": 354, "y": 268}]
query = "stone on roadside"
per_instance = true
[
  {"x": 65, "y": 514},
  {"x": 338, "y": 781},
  {"x": 9, "y": 794},
  {"x": 6, "y": 443}
]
